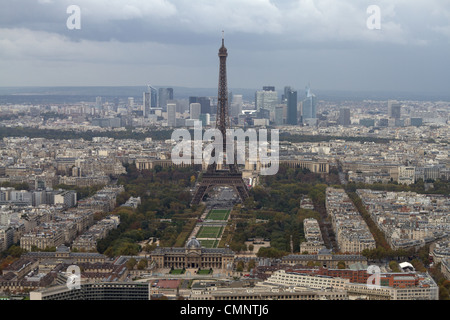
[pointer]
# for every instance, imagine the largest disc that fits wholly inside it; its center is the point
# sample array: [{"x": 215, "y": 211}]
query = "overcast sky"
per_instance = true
[{"x": 270, "y": 42}]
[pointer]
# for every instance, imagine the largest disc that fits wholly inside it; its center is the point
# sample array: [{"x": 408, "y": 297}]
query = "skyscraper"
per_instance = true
[
  {"x": 195, "y": 110},
  {"x": 266, "y": 99},
  {"x": 268, "y": 88},
  {"x": 171, "y": 114},
  {"x": 284, "y": 95},
  {"x": 146, "y": 104},
  {"x": 394, "y": 109},
  {"x": 153, "y": 96},
  {"x": 205, "y": 103},
  {"x": 98, "y": 101},
  {"x": 344, "y": 117},
  {"x": 291, "y": 99},
  {"x": 236, "y": 105},
  {"x": 150, "y": 99},
  {"x": 279, "y": 116},
  {"x": 130, "y": 105},
  {"x": 205, "y": 119},
  {"x": 165, "y": 94},
  {"x": 309, "y": 105}
]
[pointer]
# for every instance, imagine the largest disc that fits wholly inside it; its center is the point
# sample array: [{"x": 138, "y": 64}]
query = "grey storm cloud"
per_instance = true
[
  {"x": 278, "y": 41},
  {"x": 403, "y": 21}
]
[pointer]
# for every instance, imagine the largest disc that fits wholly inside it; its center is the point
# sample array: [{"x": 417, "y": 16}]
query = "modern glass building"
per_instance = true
[
  {"x": 291, "y": 98},
  {"x": 266, "y": 99},
  {"x": 309, "y": 106}
]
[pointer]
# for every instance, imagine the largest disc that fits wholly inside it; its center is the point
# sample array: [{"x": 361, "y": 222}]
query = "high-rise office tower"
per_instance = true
[
  {"x": 268, "y": 88},
  {"x": 165, "y": 94},
  {"x": 130, "y": 105},
  {"x": 284, "y": 95},
  {"x": 291, "y": 99},
  {"x": 98, "y": 101},
  {"x": 193, "y": 100},
  {"x": 195, "y": 110},
  {"x": 309, "y": 106},
  {"x": 153, "y": 97},
  {"x": 205, "y": 103},
  {"x": 266, "y": 99},
  {"x": 237, "y": 98},
  {"x": 236, "y": 105},
  {"x": 150, "y": 100},
  {"x": 394, "y": 109},
  {"x": 279, "y": 116},
  {"x": 146, "y": 104},
  {"x": 344, "y": 117},
  {"x": 205, "y": 118},
  {"x": 171, "y": 114}
]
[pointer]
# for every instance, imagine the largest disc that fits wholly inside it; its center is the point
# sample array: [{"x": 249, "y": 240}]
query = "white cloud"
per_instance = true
[
  {"x": 444, "y": 30},
  {"x": 246, "y": 16},
  {"x": 167, "y": 39},
  {"x": 303, "y": 21},
  {"x": 23, "y": 44},
  {"x": 105, "y": 10}
]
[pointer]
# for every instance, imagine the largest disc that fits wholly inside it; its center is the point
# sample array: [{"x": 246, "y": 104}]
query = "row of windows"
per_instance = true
[
  {"x": 98, "y": 292},
  {"x": 203, "y": 259}
]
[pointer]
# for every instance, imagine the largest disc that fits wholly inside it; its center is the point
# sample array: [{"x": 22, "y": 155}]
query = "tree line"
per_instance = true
[
  {"x": 164, "y": 212},
  {"x": 86, "y": 135},
  {"x": 273, "y": 211}
]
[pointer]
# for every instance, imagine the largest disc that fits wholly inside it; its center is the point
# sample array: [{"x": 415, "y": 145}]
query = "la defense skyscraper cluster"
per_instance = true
[{"x": 307, "y": 114}]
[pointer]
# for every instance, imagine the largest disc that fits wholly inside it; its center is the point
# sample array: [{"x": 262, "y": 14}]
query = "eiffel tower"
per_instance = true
[{"x": 222, "y": 175}]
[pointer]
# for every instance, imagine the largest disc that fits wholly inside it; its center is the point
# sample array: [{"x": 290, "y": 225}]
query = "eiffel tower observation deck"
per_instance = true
[{"x": 222, "y": 174}]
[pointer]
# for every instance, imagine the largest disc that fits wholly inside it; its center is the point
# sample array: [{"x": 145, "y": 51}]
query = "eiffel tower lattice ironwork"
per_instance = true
[{"x": 229, "y": 174}]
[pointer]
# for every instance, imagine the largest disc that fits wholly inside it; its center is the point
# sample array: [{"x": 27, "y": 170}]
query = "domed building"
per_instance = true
[
  {"x": 193, "y": 243},
  {"x": 193, "y": 256}
]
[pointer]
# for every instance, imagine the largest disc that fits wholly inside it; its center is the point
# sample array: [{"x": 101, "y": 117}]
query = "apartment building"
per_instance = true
[
  {"x": 314, "y": 241},
  {"x": 352, "y": 232}
]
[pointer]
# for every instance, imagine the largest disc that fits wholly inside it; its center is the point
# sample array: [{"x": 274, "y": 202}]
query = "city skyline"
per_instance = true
[
  {"x": 279, "y": 43},
  {"x": 316, "y": 168}
]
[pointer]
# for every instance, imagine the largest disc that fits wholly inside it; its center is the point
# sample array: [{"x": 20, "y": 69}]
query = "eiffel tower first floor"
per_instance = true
[{"x": 218, "y": 178}]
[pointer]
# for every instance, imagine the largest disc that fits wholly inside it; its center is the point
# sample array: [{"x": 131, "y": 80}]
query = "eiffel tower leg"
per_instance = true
[
  {"x": 199, "y": 194},
  {"x": 241, "y": 190}
]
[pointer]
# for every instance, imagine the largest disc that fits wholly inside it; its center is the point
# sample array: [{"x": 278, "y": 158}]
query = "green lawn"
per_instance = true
[
  {"x": 203, "y": 272},
  {"x": 176, "y": 271},
  {"x": 209, "y": 243},
  {"x": 217, "y": 214},
  {"x": 209, "y": 232}
]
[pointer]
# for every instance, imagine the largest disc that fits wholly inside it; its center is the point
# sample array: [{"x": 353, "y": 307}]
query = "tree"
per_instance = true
[
  {"x": 16, "y": 251},
  {"x": 341, "y": 265},
  {"x": 131, "y": 263},
  {"x": 270, "y": 252},
  {"x": 418, "y": 265},
  {"x": 236, "y": 246},
  {"x": 394, "y": 266},
  {"x": 109, "y": 252},
  {"x": 142, "y": 264},
  {"x": 149, "y": 247},
  {"x": 240, "y": 266},
  {"x": 251, "y": 265},
  {"x": 443, "y": 293}
]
